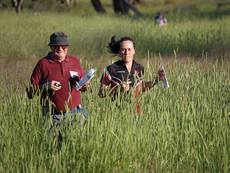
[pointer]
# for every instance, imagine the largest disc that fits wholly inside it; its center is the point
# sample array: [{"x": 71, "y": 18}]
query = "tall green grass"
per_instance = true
[
  {"x": 27, "y": 35},
  {"x": 183, "y": 129}
]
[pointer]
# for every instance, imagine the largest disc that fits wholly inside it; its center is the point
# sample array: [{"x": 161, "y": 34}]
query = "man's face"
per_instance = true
[
  {"x": 60, "y": 51},
  {"x": 127, "y": 51}
]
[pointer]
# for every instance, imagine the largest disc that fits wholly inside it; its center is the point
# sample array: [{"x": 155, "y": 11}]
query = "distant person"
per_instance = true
[
  {"x": 160, "y": 19},
  {"x": 55, "y": 77},
  {"x": 125, "y": 75}
]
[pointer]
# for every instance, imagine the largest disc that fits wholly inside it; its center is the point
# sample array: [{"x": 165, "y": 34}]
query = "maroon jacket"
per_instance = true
[{"x": 67, "y": 73}]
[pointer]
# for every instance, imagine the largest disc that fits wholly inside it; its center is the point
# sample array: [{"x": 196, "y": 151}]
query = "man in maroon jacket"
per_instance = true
[{"x": 55, "y": 77}]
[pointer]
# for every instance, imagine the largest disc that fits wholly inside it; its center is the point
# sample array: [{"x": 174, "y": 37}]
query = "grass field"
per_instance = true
[
  {"x": 183, "y": 129},
  {"x": 27, "y": 35}
]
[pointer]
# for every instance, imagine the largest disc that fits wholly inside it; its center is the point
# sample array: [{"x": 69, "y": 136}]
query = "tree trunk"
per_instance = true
[
  {"x": 138, "y": 1},
  {"x": 132, "y": 7},
  {"x": 120, "y": 7},
  {"x": 98, "y": 6},
  {"x": 123, "y": 6},
  {"x": 1, "y": 3},
  {"x": 17, "y": 4},
  {"x": 69, "y": 3}
]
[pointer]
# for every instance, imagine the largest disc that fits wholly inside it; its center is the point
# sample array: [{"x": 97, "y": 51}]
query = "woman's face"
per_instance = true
[{"x": 127, "y": 51}]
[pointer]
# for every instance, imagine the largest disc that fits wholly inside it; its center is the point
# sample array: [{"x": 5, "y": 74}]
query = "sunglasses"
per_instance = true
[{"x": 59, "y": 46}]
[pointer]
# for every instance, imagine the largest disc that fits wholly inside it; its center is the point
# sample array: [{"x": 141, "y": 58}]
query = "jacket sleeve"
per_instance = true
[
  {"x": 35, "y": 81},
  {"x": 36, "y": 77},
  {"x": 106, "y": 77}
]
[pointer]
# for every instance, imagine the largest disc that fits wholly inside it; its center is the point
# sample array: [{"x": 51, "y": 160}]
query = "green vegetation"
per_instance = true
[
  {"x": 27, "y": 35},
  {"x": 183, "y": 129}
]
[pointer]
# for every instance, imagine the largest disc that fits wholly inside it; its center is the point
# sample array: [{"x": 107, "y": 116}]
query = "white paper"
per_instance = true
[{"x": 87, "y": 77}]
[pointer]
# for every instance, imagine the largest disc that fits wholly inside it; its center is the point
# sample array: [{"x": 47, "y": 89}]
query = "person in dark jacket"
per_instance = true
[{"x": 125, "y": 75}]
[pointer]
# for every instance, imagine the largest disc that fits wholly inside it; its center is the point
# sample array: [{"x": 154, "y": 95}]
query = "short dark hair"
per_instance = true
[{"x": 114, "y": 45}]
